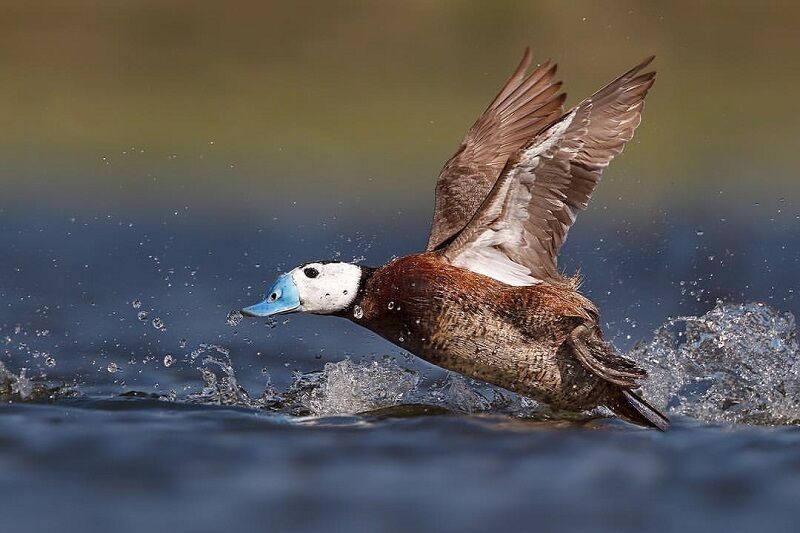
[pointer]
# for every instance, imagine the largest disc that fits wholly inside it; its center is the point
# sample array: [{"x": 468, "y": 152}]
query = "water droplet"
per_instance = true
[
  {"x": 159, "y": 324},
  {"x": 401, "y": 339},
  {"x": 391, "y": 305},
  {"x": 168, "y": 360},
  {"x": 142, "y": 315},
  {"x": 358, "y": 312},
  {"x": 136, "y": 304},
  {"x": 233, "y": 318},
  {"x": 112, "y": 368},
  {"x": 50, "y": 361},
  {"x": 699, "y": 233},
  {"x": 182, "y": 343}
]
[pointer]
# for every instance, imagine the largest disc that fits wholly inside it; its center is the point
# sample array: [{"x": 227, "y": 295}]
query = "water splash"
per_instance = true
[
  {"x": 347, "y": 387},
  {"x": 738, "y": 363},
  {"x": 21, "y": 387},
  {"x": 233, "y": 318},
  {"x": 458, "y": 393},
  {"x": 735, "y": 364},
  {"x": 13, "y": 386},
  {"x": 221, "y": 386}
]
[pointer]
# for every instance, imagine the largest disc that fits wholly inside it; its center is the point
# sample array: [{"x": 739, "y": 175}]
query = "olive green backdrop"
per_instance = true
[{"x": 354, "y": 106}]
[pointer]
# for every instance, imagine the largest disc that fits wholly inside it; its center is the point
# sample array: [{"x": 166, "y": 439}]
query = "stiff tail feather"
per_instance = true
[{"x": 630, "y": 406}]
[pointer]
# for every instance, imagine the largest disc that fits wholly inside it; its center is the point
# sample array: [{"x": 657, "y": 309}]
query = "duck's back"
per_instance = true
[{"x": 513, "y": 337}]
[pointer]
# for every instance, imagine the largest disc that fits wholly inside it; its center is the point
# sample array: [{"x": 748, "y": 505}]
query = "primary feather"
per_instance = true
[{"x": 526, "y": 103}]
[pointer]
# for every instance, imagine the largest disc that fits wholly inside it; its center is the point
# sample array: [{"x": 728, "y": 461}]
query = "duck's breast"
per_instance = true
[{"x": 509, "y": 336}]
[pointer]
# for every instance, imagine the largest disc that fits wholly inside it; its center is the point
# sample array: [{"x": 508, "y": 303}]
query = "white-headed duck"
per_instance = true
[{"x": 486, "y": 298}]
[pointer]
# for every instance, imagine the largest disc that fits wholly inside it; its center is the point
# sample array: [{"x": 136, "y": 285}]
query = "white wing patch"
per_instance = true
[
  {"x": 506, "y": 214},
  {"x": 487, "y": 260}
]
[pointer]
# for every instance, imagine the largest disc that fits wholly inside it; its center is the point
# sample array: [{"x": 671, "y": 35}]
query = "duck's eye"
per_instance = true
[
  {"x": 273, "y": 296},
  {"x": 311, "y": 272}
]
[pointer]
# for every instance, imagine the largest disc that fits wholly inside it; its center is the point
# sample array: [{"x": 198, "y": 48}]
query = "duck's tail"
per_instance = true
[{"x": 628, "y": 405}]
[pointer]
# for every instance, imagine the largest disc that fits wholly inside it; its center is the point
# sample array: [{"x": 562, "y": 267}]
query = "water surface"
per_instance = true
[{"x": 131, "y": 404}]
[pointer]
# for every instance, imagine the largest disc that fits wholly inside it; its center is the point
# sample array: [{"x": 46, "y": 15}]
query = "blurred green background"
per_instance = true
[{"x": 354, "y": 106}]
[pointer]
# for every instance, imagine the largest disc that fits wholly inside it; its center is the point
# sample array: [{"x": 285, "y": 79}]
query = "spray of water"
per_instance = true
[
  {"x": 348, "y": 387},
  {"x": 738, "y": 363},
  {"x": 735, "y": 364},
  {"x": 220, "y": 384},
  {"x": 14, "y": 386},
  {"x": 20, "y": 387}
]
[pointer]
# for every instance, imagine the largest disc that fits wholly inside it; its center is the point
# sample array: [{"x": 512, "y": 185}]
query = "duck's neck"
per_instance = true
[{"x": 366, "y": 274}]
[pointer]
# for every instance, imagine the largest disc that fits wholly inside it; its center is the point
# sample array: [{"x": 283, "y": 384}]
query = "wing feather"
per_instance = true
[
  {"x": 526, "y": 103},
  {"x": 529, "y": 211}
]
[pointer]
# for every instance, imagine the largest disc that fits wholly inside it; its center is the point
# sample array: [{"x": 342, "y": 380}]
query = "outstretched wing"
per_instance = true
[
  {"x": 525, "y": 105},
  {"x": 518, "y": 230}
]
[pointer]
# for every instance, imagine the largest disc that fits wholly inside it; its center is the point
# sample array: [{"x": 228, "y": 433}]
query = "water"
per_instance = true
[
  {"x": 377, "y": 445},
  {"x": 736, "y": 364},
  {"x": 191, "y": 419}
]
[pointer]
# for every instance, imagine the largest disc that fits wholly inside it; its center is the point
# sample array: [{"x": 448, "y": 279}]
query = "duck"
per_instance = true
[{"x": 486, "y": 298}]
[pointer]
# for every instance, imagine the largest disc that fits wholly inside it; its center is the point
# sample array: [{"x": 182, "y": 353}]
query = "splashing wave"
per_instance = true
[
  {"x": 738, "y": 363},
  {"x": 348, "y": 387},
  {"x": 14, "y": 386},
  {"x": 20, "y": 387}
]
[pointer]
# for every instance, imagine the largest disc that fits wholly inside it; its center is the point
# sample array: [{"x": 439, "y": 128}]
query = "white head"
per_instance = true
[{"x": 321, "y": 288}]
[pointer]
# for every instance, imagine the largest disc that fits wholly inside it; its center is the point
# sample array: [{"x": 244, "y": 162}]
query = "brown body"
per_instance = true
[{"x": 513, "y": 337}]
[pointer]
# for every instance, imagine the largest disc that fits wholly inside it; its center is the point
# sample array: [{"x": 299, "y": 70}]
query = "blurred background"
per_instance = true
[
  {"x": 181, "y": 153},
  {"x": 161, "y": 161}
]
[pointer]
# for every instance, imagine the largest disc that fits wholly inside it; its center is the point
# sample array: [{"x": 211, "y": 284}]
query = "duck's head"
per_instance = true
[{"x": 322, "y": 288}]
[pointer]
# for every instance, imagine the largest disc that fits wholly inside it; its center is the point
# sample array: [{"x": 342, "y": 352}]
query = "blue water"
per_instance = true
[
  {"x": 128, "y": 443},
  {"x": 122, "y": 465}
]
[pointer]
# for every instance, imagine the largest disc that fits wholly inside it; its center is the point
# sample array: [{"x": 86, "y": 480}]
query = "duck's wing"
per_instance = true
[
  {"x": 519, "y": 228},
  {"x": 525, "y": 105}
]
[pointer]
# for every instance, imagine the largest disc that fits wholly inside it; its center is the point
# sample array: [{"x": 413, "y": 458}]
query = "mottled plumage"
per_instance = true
[
  {"x": 515, "y": 337},
  {"x": 480, "y": 327}
]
